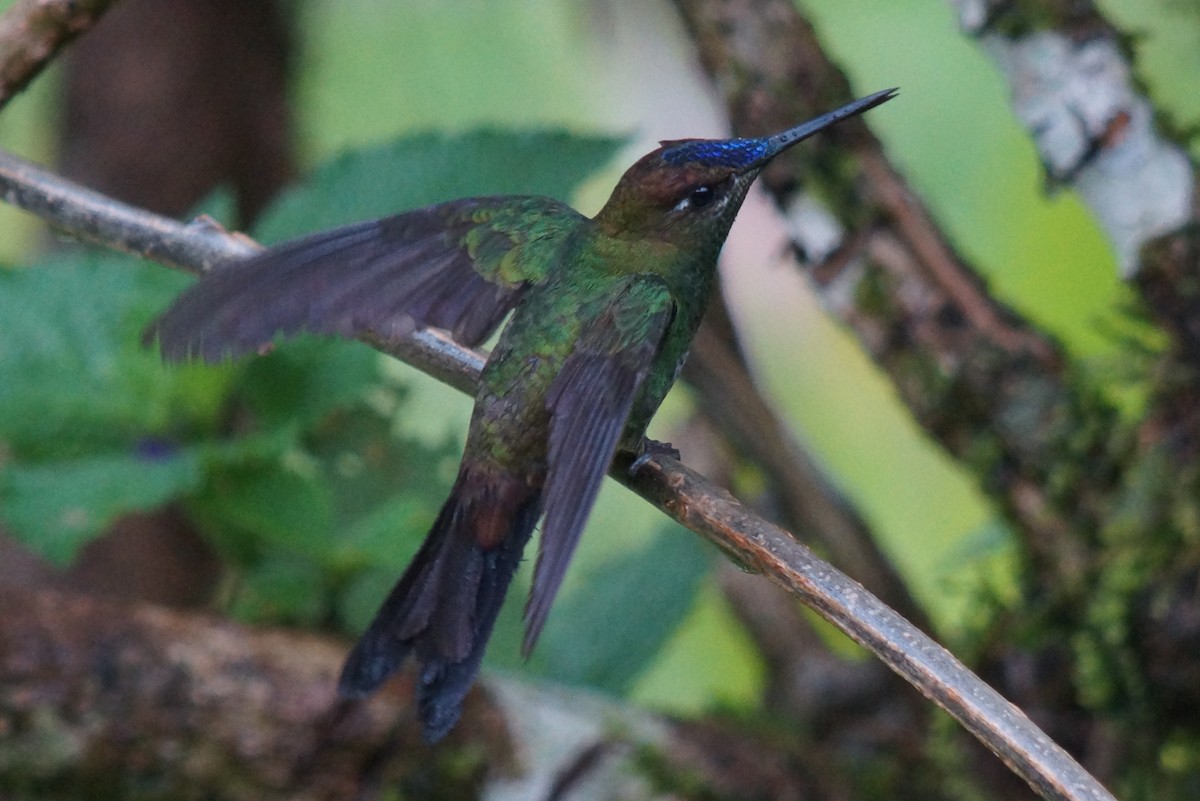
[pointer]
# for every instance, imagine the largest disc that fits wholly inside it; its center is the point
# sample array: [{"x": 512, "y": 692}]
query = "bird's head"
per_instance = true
[{"x": 691, "y": 188}]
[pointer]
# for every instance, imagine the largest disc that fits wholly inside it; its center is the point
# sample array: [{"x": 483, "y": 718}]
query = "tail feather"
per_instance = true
[{"x": 443, "y": 608}]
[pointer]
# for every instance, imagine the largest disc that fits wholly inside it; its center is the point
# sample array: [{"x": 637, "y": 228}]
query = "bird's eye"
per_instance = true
[{"x": 701, "y": 196}]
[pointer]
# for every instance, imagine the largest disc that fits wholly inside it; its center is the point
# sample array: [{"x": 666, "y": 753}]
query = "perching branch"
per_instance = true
[
  {"x": 32, "y": 32},
  {"x": 846, "y": 700},
  {"x": 673, "y": 488},
  {"x": 810, "y": 504}
]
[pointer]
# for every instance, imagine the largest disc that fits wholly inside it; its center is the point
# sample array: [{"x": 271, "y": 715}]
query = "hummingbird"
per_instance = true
[{"x": 603, "y": 310}]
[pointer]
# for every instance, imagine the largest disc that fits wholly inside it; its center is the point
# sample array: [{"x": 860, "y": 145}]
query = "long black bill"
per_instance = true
[{"x": 785, "y": 139}]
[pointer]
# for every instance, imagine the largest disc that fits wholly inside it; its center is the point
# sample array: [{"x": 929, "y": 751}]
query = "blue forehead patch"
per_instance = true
[{"x": 732, "y": 153}]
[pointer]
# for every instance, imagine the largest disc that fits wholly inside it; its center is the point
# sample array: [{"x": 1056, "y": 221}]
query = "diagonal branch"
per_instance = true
[
  {"x": 32, "y": 32},
  {"x": 810, "y": 504},
  {"x": 682, "y": 494}
]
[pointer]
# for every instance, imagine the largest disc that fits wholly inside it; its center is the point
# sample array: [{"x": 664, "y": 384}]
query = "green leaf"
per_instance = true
[
  {"x": 419, "y": 170},
  {"x": 387, "y": 490},
  {"x": 362, "y": 596},
  {"x": 387, "y": 487},
  {"x": 306, "y": 379},
  {"x": 56, "y": 506},
  {"x": 389, "y": 534},
  {"x": 284, "y": 507},
  {"x": 607, "y": 631},
  {"x": 281, "y": 589},
  {"x": 74, "y": 378}
]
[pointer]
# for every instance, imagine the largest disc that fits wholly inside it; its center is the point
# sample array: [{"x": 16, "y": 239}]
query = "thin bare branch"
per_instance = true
[
  {"x": 684, "y": 495},
  {"x": 765, "y": 548},
  {"x": 32, "y": 32},
  {"x": 810, "y": 504}
]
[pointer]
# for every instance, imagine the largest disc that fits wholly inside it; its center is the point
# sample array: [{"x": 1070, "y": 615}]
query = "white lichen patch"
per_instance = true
[
  {"x": 812, "y": 228},
  {"x": 816, "y": 233},
  {"x": 552, "y": 730},
  {"x": 1094, "y": 132},
  {"x": 972, "y": 14}
]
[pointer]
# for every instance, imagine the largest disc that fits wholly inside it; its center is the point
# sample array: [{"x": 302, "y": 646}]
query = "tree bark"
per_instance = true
[{"x": 137, "y": 702}]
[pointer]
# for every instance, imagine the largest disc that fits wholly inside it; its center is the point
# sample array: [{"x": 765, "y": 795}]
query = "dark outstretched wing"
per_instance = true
[
  {"x": 460, "y": 266},
  {"x": 589, "y": 403}
]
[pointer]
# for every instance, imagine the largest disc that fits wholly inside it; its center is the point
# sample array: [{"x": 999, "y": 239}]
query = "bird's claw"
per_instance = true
[{"x": 649, "y": 449}]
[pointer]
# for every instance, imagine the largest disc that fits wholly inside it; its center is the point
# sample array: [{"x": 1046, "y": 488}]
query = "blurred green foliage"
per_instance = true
[
  {"x": 80, "y": 402},
  {"x": 422, "y": 169}
]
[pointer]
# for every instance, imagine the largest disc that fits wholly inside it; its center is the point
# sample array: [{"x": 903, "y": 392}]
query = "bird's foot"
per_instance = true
[{"x": 650, "y": 448}]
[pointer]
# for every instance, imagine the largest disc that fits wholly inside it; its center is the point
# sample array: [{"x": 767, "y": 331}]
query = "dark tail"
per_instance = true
[{"x": 444, "y": 606}]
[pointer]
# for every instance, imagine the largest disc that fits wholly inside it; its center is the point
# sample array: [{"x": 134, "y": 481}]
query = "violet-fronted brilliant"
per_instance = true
[{"x": 603, "y": 310}]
